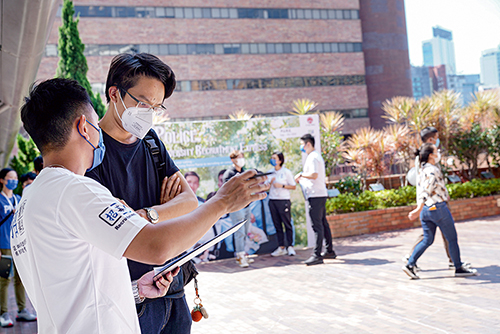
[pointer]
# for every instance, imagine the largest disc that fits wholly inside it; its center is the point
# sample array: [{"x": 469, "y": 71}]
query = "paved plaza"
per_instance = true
[{"x": 364, "y": 290}]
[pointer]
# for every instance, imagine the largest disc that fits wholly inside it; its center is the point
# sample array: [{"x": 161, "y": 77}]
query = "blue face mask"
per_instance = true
[
  {"x": 272, "y": 162},
  {"x": 302, "y": 148},
  {"x": 437, "y": 143},
  {"x": 11, "y": 184},
  {"x": 98, "y": 151}
]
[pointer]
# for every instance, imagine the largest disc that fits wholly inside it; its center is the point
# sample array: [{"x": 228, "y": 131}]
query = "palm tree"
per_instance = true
[
  {"x": 302, "y": 106},
  {"x": 240, "y": 115},
  {"x": 398, "y": 109},
  {"x": 446, "y": 109},
  {"x": 331, "y": 121}
]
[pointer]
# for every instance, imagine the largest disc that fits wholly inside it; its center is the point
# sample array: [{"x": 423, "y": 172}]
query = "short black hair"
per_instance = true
[
  {"x": 308, "y": 138},
  {"x": 427, "y": 133},
  {"x": 281, "y": 156},
  {"x": 4, "y": 172},
  {"x": 50, "y": 110},
  {"x": 423, "y": 153},
  {"x": 191, "y": 173},
  {"x": 221, "y": 172},
  {"x": 126, "y": 69},
  {"x": 26, "y": 177},
  {"x": 38, "y": 163}
]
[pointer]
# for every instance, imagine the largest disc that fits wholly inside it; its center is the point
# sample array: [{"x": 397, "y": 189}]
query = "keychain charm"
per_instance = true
[{"x": 198, "y": 311}]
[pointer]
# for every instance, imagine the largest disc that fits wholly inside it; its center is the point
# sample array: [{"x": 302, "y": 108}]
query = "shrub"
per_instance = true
[
  {"x": 350, "y": 184},
  {"x": 369, "y": 200}
]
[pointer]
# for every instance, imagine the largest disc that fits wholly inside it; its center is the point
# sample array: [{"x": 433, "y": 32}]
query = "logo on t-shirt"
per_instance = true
[{"x": 114, "y": 213}]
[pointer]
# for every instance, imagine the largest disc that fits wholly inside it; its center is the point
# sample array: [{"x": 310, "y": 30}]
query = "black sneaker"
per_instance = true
[
  {"x": 410, "y": 271},
  {"x": 464, "y": 271},
  {"x": 329, "y": 255},
  {"x": 313, "y": 260}
]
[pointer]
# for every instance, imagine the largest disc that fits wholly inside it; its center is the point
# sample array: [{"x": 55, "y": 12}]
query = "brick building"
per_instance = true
[{"x": 259, "y": 55}]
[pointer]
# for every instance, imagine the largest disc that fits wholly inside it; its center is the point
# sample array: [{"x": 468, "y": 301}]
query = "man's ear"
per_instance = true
[
  {"x": 113, "y": 92},
  {"x": 82, "y": 126}
]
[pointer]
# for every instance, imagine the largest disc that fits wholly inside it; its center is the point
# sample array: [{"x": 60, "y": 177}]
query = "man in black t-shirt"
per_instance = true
[{"x": 136, "y": 88}]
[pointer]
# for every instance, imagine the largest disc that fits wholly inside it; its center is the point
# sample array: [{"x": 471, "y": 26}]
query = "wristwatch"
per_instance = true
[{"x": 153, "y": 216}]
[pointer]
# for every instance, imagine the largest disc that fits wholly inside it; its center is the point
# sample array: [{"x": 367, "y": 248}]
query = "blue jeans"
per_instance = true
[
  {"x": 440, "y": 217},
  {"x": 165, "y": 315},
  {"x": 240, "y": 235}
]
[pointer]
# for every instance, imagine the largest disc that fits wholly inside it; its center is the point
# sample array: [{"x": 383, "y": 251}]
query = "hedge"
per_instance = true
[{"x": 370, "y": 200}]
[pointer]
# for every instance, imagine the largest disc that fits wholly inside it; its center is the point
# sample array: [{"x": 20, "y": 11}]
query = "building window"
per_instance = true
[{"x": 215, "y": 13}]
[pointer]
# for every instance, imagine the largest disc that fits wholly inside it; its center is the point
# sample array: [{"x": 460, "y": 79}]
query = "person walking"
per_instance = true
[
  {"x": 282, "y": 182},
  {"x": 433, "y": 211},
  {"x": 8, "y": 206},
  {"x": 313, "y": 181}
]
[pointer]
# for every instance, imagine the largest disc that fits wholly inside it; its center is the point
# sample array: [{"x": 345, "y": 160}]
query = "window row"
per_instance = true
[
  {"x": 215, "y": 13},
  {"x": 292, "y": 82},
  {"x": 204, "y": 49}
]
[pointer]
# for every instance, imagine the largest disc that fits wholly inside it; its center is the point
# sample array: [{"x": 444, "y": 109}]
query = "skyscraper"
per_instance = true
[
  {"x": 490, "y": 68},
  {"x": 440, "y": 50}
]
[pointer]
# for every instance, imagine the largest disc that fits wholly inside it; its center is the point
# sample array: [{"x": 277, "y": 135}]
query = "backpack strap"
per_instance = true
[{"x": 153, "y": 144}]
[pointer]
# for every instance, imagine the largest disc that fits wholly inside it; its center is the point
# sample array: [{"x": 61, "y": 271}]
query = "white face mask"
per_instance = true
[
  {"x": 240, "y": 162},
  {"x": 135, "y": 120},
  {"x": 438, "y": 156}
]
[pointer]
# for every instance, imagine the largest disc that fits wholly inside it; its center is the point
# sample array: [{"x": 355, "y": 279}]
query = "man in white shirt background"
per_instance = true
[{"x": 313, "y": 182}]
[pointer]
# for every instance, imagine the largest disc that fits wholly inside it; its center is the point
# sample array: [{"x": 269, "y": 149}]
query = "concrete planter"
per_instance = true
[{"x": 366, "y": 222}]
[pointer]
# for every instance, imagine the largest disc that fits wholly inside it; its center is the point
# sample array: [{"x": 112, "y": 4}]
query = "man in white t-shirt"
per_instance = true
[
  {"x": 70, "y": 236},
  {"x": 312, "y": 180}
]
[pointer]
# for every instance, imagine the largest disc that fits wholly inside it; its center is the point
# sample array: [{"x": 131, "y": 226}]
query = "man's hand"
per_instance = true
[
  {"x": 170, "y": 188},
  {"x": 240, "y": 191},
  {"x": 150, "y": 289},
  {"x": 297, "y": 177}
]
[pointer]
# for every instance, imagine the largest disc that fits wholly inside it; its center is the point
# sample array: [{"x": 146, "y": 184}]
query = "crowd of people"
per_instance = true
[{"x": 109, "y": 191}]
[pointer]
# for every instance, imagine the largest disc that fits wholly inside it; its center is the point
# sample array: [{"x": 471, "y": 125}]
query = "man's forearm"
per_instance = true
[{"x": 182, "y": 204}]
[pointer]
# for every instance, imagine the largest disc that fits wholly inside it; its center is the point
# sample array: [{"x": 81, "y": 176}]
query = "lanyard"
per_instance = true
[{"x": 13, "y": 207}]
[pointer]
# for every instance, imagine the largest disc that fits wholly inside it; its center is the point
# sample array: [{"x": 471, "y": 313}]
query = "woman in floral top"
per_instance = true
[{"x": 434, "y": 212}]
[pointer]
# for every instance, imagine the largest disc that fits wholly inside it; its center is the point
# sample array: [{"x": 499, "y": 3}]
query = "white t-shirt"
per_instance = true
[
  {"x": 314, "y": 164},
  {"x": 68, "y": 238},
  {"x": 283, "y": 176}
]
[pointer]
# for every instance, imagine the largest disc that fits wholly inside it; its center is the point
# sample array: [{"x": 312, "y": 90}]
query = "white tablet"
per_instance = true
[{"x": 159, "y": 271}]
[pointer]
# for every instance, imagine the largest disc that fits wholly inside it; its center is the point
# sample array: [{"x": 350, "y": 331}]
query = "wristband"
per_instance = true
[
  {"x": 135, "y": 291},
  {"x": 283, "y": 186}
]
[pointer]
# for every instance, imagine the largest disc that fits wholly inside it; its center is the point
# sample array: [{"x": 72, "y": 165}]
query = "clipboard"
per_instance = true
[{"x": 159, "y": 271}]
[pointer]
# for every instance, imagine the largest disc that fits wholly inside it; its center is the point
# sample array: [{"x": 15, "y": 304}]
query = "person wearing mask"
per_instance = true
[
  {"x": 433, "y": 211},
  {"x": 27, "y": 179},
  {"x": 429, "y": 135},
  {"x": 8, "y": 205},
  {"x": 313, "y": 181},
  {"x": 70, "y": 235},
  {"x": 136, "y": 88},
  {"x": 282, "y": 182},
  {"x": 238, "y": 160}
]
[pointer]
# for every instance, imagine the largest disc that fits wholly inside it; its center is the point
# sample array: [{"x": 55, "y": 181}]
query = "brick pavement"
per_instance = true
[{"x": 362, "y": 291}]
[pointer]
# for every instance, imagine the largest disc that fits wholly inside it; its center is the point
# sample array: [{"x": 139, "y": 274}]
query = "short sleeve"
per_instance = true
[
  {"x": 289, "y": 178},
  {"x": 89, "y": 212}
]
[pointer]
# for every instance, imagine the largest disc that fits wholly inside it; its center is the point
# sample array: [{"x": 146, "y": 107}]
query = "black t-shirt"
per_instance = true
[
  {"x": 130, "y": 173},
  {"x": 230, "y": 172}
]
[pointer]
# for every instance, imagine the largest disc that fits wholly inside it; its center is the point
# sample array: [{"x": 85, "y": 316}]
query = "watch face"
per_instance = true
[{"x": 153, "y": 215}]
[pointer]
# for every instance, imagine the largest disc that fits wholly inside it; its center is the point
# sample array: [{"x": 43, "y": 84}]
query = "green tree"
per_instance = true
[
  {"x": 23, "y": 162},
  {"x": 72, "y": 63}
]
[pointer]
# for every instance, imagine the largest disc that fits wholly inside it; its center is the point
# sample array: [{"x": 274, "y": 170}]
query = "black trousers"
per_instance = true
[
  {"x": 317, "y": 212},
  {"x": 281, "y": 213}
]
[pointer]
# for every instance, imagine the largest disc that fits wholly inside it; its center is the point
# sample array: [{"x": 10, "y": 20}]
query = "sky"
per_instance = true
[{"x": 475, "y": 25}]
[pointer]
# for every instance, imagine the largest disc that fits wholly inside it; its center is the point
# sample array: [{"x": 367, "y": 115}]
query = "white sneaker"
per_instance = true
[
  {"x": 291, "y": 251},
  {"x": 279, "y": 252},
  {"x": 5, "y": 320},
  {"x": 241, "y": 259},
  {"x": 25, "y": 315}
]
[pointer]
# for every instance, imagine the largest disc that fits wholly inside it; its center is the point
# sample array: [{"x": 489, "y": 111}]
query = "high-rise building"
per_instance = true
[
  {"x": 490, "y": 68},
  {"x": 440, "y": 50},
  {"x": 259, "y": 56},
  {"x": 421, "y": 81}
]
